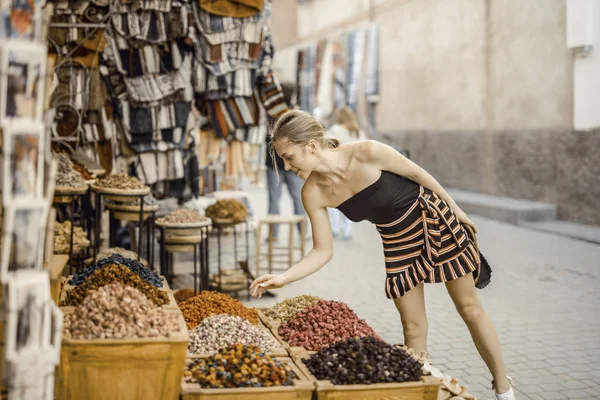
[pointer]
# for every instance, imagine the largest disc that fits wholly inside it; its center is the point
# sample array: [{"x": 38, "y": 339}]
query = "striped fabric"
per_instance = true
[{"x": 426, "y": 244}]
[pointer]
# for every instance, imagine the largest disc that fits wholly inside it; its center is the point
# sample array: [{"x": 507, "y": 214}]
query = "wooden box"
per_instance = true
[
  {"x": 426, "y": 389},
  {"x": 55, "y": 267},
  {"x": 302, "y": 390},
  {"x": 149, "y": 368}
]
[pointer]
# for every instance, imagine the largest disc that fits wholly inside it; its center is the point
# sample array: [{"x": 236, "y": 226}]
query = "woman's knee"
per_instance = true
[
  {"x": 471, "y": 311},
  {"x": 414, "y": 327}
]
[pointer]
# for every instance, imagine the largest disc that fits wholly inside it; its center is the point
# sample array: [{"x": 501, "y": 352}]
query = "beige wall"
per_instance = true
[{"x": 455, "y": 64}]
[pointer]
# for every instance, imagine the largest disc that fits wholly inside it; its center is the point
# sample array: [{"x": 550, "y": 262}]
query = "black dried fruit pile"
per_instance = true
[
  {"x": 364, "y": 361},
  {"x": 135, "y": 266}
]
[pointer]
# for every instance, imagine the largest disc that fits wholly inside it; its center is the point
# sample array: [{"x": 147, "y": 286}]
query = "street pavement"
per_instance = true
[{"x": 544, "y": 300}]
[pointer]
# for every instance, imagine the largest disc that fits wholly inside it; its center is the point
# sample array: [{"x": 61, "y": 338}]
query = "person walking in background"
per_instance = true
[
  {"x": 292, "y": 181},
  {"x": 345, "y": 129}
]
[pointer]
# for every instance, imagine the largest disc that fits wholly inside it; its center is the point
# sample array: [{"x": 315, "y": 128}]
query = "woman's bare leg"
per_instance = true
[
  {"x": 467, "y": 303},
  {"x": 414, "y": 319}
]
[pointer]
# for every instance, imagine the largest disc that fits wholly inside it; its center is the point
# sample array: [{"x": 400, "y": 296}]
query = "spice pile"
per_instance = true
[
  {"x": 323, "y": 324},
  {"x": 364, "y": 361},
  {"x": 62, "y": 238},
  {"x": 66, "y": 176},
  {"x": 220, "y": 331},
  {"x": 135, "y": 266},
  {"x": 120, "y": 181},
  {"x": 287, "y": 309},
  {"x": 116, "y": 312},
  {"x": 239, "y": 366},
  {"x": 114, "y": 273},
  {"x": 183, "y": 294},
  {"x": 231, "y": 210},
  {"x": 182, "y": 216},
  {"x": 207, "y": 303}
]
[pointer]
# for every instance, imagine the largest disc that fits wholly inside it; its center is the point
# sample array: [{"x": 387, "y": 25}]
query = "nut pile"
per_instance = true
[
  {"x": 183, "y": 294},
  {"x": 62, "y": 238},
  {"x": 239, "y": 366},
  {"x": 120, "y": 181},
  {"x": 219, "y": 331},
  {"x": 149, "y": 200},
  {"x": 231, "y": 209},
  {"x": 65, "y": 173},
  {"x": 287, "y": 309},
  {"x": 135, "y": 266},
  {"x": 117, "y": 312},
  {"x": 323, "y": 324},
  {"x": 207, "y": 303},
  {"x": 182, "y": 216},
  {"x": 111, "y": 274},
  {"x": 364, "y": 361}
]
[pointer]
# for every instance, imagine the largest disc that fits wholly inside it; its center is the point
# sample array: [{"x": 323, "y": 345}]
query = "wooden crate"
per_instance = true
[
  {"x": 279, "y": 351},
  {"x": 426, "y": 389},
  {"x": 149, "y": 368},
  {"x": 55, "y": 267},
  {"x": 302, "y": 390},
  {"x": 165, "y": 288}
]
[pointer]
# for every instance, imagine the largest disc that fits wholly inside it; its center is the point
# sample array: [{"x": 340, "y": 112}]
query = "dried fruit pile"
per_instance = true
[
  {"x": 183, "y": 294},
  {"x": 117, "y": 311},
  {"x": 182, "y": 216},
  {"x": 135, "y": 266},
  {"x": 114, "y": 273},
  {"x": 220, "y": 331},
  {"x": 287, "y": 309},
  {"x": 323, "y": 324},
  {"x": 120, "y": 181},
  {"x": 238, "y": 366},
  {"x": 231, "y": 209},
  {"x": 364, "y": 361},
  {"x": 207, "y": 303},
  {"x": 62, "y": 238},
  {"x": 66, "y": 175}
]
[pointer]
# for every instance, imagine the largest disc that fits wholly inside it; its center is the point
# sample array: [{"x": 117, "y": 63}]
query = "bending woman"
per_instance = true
[{"x": 421, "y": 227}]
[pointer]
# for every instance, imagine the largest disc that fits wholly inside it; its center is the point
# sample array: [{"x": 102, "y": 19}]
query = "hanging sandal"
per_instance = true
[{"x": 510, "y": 395}]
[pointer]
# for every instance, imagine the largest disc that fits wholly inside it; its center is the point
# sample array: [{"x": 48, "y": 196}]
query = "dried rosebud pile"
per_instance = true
[
  {"x": 220, "y": 331},
  {"x": 231, "y": 209},
  {"x": 287, "y": 309},
  {"x": 111, "y": 274},
  {"x": 364, "y": 361},
  {"x": 182, "y": 216},
  {"x": 134, "y": 266},
  {"x": 238, "y": 366},
  {"x": 117, "y": 312},
  {"x": 323, "y": 324},
  {"x": 207, "y": 303},
  {"x": 120, "y": 181}
]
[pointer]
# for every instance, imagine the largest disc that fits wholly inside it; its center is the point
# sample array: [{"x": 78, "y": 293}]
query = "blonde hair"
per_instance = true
[
  {"x": 345, "y": 117},
  {"x": 299, "y": 128}
]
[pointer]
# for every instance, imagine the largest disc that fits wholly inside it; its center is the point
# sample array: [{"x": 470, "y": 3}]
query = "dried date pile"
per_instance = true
[
  {"x": 120, "y": 181},
  {"x": 117, "y": 311},
  {"x": 323, "y": 324},
  {"x": 66, "y": 175},
  {"x": 287, "y": 309},
  {"x": 114, "y": 273},
  {"x": 238, "y": 366},
  {"x": 182, "y": 216},
  {"x": 231, "y": 209},
  {"x": 219, "y": 331},
  {"x": 364, "y": 361},
  {"x": 135, "y": 266},
  {"x": 207, "y": 303}
]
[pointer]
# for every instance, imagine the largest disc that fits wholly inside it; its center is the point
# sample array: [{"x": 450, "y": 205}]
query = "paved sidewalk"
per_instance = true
[{"x": 544, "y": 300}]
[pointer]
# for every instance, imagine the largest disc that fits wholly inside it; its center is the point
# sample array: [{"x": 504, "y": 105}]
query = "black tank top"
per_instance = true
[{"x": 385, "y": 200}]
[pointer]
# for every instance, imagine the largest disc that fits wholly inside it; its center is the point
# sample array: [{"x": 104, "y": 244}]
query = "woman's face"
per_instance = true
[{"x": 296, "y": 158}]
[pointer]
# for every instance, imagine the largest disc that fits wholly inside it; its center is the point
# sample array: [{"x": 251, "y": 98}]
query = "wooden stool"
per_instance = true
[{"x": 291, "y": 221}]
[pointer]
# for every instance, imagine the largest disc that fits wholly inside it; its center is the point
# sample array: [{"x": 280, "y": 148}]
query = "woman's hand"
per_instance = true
[
  {"x": 266, "y": 282},
  {"x": 463, "y": 219}
]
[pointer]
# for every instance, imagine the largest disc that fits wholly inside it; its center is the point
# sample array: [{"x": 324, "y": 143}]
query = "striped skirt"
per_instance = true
[{"x": 427, "y": 244}]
